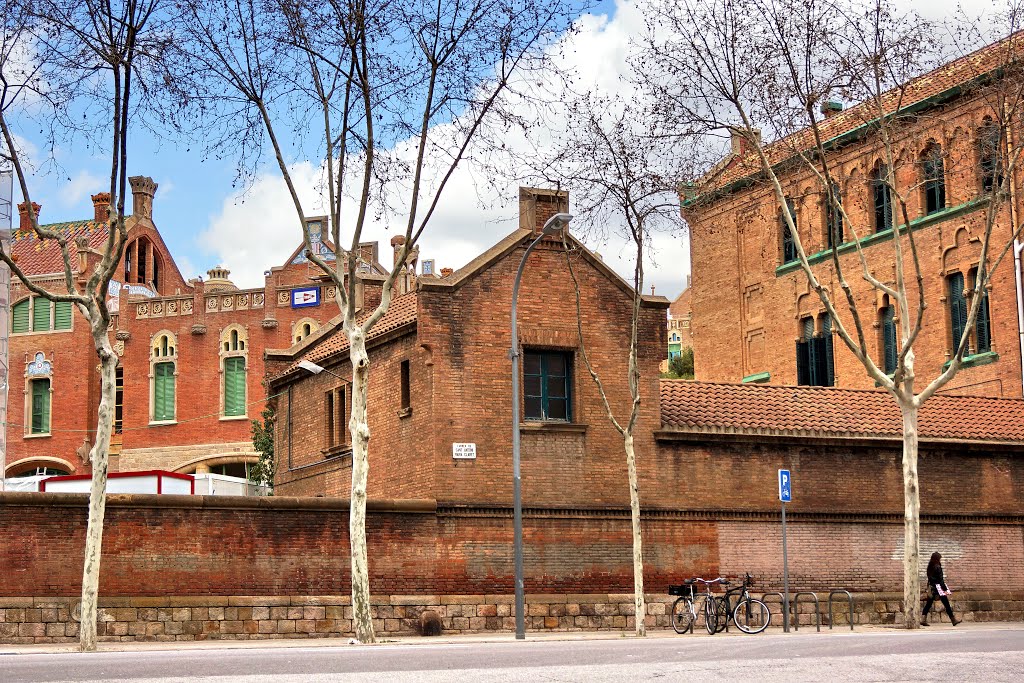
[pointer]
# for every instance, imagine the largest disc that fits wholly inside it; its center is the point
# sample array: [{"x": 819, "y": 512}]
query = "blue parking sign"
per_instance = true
[{"x": 785, "y": 486}]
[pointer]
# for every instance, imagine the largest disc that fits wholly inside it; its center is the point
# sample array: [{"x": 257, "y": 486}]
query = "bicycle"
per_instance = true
[
  {"x": 749, "y": 614},
  {"x": 684, "y": 609}
]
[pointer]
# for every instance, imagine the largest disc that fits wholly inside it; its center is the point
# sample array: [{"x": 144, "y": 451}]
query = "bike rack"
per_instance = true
[
  {"x": 796, "y": 609},
  {"x": 782, "y": 601},
  {"x": 849, "y": 597}
]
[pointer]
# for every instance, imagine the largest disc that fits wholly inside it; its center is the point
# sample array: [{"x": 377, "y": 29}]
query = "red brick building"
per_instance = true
[
  {"x": 191, "y": 351},
  {"x": 440, "y": 377},
  {"x": 753, "y": 309}
]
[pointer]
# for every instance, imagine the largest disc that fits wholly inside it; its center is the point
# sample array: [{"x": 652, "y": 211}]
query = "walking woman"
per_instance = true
[{"x": 937, "y": 584}]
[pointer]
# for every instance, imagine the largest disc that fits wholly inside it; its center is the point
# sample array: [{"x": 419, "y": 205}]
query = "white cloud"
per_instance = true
[{"x": 78, "y": 188}]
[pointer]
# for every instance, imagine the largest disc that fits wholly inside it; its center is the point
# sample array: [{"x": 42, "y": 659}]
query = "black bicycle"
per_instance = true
[
  {"x": 689, "y": 605},
  {"x": 749, "y": 614}
]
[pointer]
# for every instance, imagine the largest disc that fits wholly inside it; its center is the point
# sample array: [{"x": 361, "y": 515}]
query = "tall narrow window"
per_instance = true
[
  {"x": 140, "y": 276},
  {"x": 156, "y": 273},
  {"x": 825, "y": 375},
  {"x": 19, "y": 315},
  {"x": 805, "y": 353},
  {"x": 234, "y": 386},
  {"x": 163, "y": 395},
  {"x": 336, "y": 418},
  {"x": 883, "y": 199},
  {"x": 329, "y": 418},
  {"x": 834, "y": 216},
  {"x": 62, "y": 315},
  {"x": 815, "y": 365},
  {"x": 405, "y": 388},
  {"x": 788, "y": 243},
  {"x": 988, "y": 156},
  {"x": 957, "y": 309},
  {"x": 547, "y": 380},
  {"x": 40, "y": 406},
  {"x": 934, "y": 178},
  {"x": 129, "y": 256},
  {"x": 119, "y": 400},
  {"x": 889, "y": 352},
  {"x": 983, "y": 322},
  {"x": 40, "y": 314}
]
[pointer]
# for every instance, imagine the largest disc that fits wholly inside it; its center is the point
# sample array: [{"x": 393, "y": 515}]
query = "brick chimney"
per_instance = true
[
  {"x": 26, "y": 221},
  {"x": 143, "y": 189},
  {"x": 101, "y": 207},
  {"x": 397, "y": 242},
  {"x": 537, "y": 205},
  {"x": 831, "y": 108},
  {"x": 740, "y": 144}
]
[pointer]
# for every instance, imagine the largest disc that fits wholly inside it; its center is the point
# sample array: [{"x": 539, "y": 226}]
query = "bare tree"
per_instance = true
[
  {"x": 618, "y": 178},
  {"x": 60, "y": 58},
  {"x": 395, "y": 94},
  {"x": 753, "y": 66}
]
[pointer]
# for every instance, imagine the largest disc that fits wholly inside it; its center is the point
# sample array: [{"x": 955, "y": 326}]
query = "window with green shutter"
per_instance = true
[
  {"x": 889, "y": 339},
  {"x": 957, "y": 308},
  {"x": 62, "y": 315},
  {"x": 19, "y": 321},
  {"x": 163, "y": 392},
  {"x": 234, "y": 386},
  {"x": 40, "y": 314},
  {"x": 40, "y": 406},
  {"x": 983, "y": 323}
]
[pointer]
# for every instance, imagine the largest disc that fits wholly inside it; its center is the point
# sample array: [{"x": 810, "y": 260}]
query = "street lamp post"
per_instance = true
[
  {"x": 553, "y": 224},
  {"x": 315, "y": 369}
]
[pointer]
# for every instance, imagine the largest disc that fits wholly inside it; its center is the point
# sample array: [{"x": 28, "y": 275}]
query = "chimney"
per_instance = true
[
  {"x": 397, "y": 242},
  {"x": 740, "y": 144},
  {"x": 831, "y": 108},
  {"x": 143, "y": 189},
  {"x": 101, "y": 207},
  {"x": 537, "y": 205},
  {"x": 26, "y": 221}
]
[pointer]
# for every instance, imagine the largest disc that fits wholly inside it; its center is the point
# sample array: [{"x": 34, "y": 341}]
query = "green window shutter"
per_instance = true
[
  {"x": 957, "y": 308},
  {"x": 40, "y": 314},
  {"x": 163, "y": 391},
  {"x": 234, "y": 386},
  {"x": 19, "y": 321},
  {"x": 62, "y": 315},
  {"x": 889, "y": 339},
  {"x": 983, "y": 327},
  {"x": 40, "y": 406}
]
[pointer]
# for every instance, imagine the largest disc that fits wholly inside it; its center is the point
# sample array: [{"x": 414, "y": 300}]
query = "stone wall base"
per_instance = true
[{"x": 55, "y": 620}]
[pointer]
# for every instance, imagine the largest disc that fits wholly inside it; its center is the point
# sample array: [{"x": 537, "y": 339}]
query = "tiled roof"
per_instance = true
[
  {"x": 767, "y": 409},
  {"x": 401, "y": 311},
  {"x": 39, "y": 257},
  {"x": 956, "y": 73}
]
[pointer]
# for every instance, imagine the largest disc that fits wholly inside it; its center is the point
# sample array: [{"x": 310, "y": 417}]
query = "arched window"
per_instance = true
[
  {"x": 834, "y": 216},
  {"x": 234, "y": 352},
  {"x": 163, "y": 362},
  {"x": 933, "y": 177},
  {"x": 39, "y": 314},
  {"x": 882, "y": 194},
  {"x": 303, "y": 328},
  {"x": 988, "y": 156}
]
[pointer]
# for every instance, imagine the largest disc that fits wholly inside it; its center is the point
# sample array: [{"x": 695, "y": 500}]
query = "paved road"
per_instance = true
[{"x": 947, "y": 655}]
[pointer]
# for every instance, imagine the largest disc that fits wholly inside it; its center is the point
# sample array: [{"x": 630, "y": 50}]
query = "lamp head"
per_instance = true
[
  {"x": 310, "y": 367},
  {"x": 556, "y": 223}
]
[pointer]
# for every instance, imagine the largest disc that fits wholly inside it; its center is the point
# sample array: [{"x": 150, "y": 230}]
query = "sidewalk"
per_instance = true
[{"x": 478, "y": 638}]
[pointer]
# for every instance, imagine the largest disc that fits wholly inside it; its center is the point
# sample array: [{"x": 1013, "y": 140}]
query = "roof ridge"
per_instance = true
[{"x": 800, "y": 387}]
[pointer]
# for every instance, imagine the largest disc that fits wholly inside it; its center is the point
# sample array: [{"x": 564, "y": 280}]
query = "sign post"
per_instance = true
[{"x": 785, "y": 496}]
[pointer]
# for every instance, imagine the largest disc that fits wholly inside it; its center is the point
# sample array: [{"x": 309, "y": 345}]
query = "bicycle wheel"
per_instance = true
[
  {"x": 682, "y": 615},
  {"x": 751, "y": 615},
  {"x": 710, "y": 615}
]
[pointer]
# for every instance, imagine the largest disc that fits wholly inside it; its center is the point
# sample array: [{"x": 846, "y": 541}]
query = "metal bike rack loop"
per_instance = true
[
  {"x": 849, "y": 597},
  {"x": 782, "y": 599},
  {"x": 796, "y": 609}
]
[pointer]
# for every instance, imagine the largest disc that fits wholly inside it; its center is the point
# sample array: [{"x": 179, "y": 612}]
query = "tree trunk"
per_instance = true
[
  {"x": 360, "y": 431},
  {"x": 98, "y": 491},
  {"x": 640, "y": 604},
  {"x": 911, "y": 521}
]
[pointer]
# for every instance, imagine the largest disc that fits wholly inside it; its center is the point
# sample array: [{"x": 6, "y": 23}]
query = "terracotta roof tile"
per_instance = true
[
  {"x": 402, "y": 311},
  {"x": 37, "y": 257},
  {"x": 760, "y": 408},
  {"x": 958, "y": 72}
]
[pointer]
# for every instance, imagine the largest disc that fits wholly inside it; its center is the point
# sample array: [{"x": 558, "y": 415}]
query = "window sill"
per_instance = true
[
  {"x": 757, "y": 378},
  {"x": 975, "y": 360},
  {"x": 884, "y": 235},
  {"x": 38, "y": 436},
  {"x": 31, "y": 332},
  {"x": 337, "y": 451},
  {"x": 551, "y": 426},
  {"x": 160, "y": 423},
  {"x": 404, "y": 412},
  {"x": 233, "y": 418}
]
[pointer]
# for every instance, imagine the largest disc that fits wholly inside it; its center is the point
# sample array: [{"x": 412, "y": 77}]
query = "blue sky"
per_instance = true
[{"x": 206, "y": 221}]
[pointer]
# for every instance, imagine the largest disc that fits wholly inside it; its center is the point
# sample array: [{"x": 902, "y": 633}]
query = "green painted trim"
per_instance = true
[
  {"x": 975, "y": 360},
  {"x": 886, "y": 235},
  {"x": 757, "y": 377}
]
